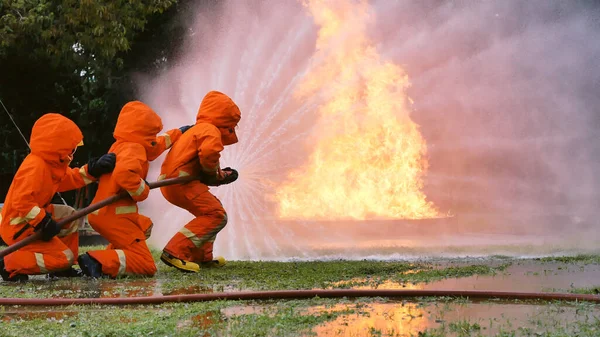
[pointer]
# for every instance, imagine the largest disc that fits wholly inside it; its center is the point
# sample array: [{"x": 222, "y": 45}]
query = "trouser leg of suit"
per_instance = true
[
  {"x": 45, "y": 257},
  {"x": 128, "y": 253},
  {"x": 194, "y": 242},
  {"x": 39, "y": 257}
]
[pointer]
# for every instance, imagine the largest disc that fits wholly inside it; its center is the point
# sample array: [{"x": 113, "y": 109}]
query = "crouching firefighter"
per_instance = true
[
  {"x": 120, "y": 223},
  {"x": 27, "y": 208},
  {"x": 197, "y": 153}
]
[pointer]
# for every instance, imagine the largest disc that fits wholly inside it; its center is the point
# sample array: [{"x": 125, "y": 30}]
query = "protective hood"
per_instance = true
[
  {"x": 220, "y": 110},
  {"x": 54, "y": 137},
  {"x": 138, "y": 123}
]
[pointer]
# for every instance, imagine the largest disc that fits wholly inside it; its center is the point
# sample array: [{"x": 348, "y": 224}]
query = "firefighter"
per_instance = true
[
  {"x": 27, "y": 208},
  {"x": 120, "y": 223},
  {"x": 197, "y": 153}
]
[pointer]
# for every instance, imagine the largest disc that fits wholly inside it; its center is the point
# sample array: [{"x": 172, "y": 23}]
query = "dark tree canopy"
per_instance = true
[{"x": 77, "y": 58}]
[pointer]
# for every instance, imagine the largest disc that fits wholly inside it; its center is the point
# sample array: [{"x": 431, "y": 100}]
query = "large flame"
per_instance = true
[{"x": 369, "y": 157}]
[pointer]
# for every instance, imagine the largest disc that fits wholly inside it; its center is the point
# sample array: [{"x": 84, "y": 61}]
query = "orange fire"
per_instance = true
[{"x": 369, "y": 159}]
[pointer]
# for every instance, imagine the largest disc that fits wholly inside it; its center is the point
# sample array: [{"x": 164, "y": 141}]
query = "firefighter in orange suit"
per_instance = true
[
  {"x": 45, "y": 171},
  {"x": 197, "y": 153},
  {"x": 120, "y": 223}
]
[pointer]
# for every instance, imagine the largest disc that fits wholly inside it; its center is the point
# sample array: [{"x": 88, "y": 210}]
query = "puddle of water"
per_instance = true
[
  {"x": 206, "y": 319},
  {"x": 106, "y": 289},
  {"x": 244, "y": 310},
  {"x": 134, "y": 288},
  {"x": 202, "y": 321},
  {"x": 526, "y": 276},
  {"x": 408, "y": 319},
  {"x": 189, "y": 290}
]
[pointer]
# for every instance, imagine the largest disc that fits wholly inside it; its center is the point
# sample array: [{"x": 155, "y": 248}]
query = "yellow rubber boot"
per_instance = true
[
  {"x": 186, "y": 266},
  {"x": 219, "y": 261}
]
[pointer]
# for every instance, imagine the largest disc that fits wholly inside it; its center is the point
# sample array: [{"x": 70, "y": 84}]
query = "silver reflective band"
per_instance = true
[
  {"x": 33, "y": 213},
  {"x": 139, "y": 190},
  {"x": 167, "y": 139},
  {"x": 39, "y": 259},
  {"x": 85, "y": 176},
  {"x": 122, "y": 262}
]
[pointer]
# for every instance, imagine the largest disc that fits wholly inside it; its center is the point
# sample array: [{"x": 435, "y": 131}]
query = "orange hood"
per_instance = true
[
  {"x": 54, "y": 137},
  {"x": 138, "y": 123},
  {"x": 220, "y": 110}
]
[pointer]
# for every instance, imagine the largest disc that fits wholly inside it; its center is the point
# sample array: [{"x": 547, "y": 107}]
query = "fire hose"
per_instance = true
[
  {"x": 303, "y": 294},
  {"x": 91, "y": 208}
]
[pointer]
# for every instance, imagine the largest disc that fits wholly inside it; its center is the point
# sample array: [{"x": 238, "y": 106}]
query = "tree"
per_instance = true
[{"x": 74, "y": 57}]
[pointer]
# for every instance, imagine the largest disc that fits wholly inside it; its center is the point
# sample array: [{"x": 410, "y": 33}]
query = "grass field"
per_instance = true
[{"x": 319, "y": 316}]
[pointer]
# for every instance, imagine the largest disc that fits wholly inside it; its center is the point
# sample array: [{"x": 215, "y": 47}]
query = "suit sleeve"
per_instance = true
[
  {"x": 209, "y": 147},
  {"x": 75, "y": 178},
  {"x": 28, "y": 183},
  {"x": 128, "y": 172},
  {"x": 164, "y": 142}
]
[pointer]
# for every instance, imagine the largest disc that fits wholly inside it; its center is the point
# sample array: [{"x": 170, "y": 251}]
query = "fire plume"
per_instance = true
[{"x": 369, "y": 158}]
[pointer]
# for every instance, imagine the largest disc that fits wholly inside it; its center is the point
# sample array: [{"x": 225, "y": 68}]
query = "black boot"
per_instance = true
[
  {"x": 89, "y": 266},
  {"x": 71, "y": 272},
  {"x": 6, "y": 275}
]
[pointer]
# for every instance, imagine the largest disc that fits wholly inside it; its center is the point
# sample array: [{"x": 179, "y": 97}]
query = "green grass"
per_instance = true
[
  {"x": 579, "y": 259},
  {"x": 290, "y": 317},
  {"x": 591, "y": 290},
  {"x": 250, "y": 275},
  {"x": 277, "y": 318},
  {"x": 298, "y": 318}
]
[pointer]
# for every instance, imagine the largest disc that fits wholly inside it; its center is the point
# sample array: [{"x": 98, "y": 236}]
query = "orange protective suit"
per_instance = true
[
  {"x": 120, "y": 223},
  {"x": 198, "y": 151},
  {"x": 44, "y": 172}
]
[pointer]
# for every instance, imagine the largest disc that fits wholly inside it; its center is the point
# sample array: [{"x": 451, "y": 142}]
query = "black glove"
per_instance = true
[
  {"x": 48, "y": 226},
  {"x": 102, "y": 165},
  {"x": 184, "y": 128},
  {"x": 231, "y": 175}
]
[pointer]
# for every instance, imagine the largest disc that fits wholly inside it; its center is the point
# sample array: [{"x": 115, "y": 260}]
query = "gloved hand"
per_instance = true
[
  {"x": 225, "y": 176},
  {"x": 229, "y": 175},
  {"x": 48, "y": 226},
  {"x": 184, "y": 128},
  {"x": 102, "y": 165}
]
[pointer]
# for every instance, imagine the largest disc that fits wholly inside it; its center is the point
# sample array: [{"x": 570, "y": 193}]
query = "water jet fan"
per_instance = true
[{"x": 330, "y": 131}]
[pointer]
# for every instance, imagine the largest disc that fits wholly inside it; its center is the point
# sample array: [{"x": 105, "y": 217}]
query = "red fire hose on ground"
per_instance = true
[{"x": 303, "y": 294}]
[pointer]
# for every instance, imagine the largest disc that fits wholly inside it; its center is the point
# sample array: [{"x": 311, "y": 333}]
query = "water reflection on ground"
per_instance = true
[
  {"x": 524, "y": 276},
  {"x": 409, "y": 318}
]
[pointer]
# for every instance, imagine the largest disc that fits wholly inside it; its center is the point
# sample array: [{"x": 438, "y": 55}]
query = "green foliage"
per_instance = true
[
  {"x": 77, "y": 57},
  {"x": 88, "y": 33}
]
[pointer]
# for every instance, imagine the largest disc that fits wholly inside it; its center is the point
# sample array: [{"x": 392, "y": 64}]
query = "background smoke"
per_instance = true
[{"x": 505, "y": 92}]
